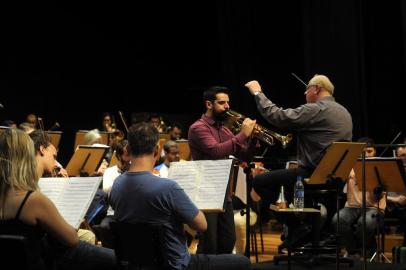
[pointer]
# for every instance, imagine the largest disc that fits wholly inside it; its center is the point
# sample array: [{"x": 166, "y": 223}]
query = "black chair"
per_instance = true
[
  {"x": 16, "y": 254},
  {"x": 139, "y": 246}
]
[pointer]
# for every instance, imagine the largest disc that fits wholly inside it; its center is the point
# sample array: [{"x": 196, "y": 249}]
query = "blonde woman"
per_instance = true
[{"x": 24, "y": 210}]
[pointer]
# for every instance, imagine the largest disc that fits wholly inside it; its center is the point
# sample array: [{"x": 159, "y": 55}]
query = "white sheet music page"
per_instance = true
[
  {"x": 74, "y": 198},
  {"x": 52, "y": 187},
  {"x": 204, "y": 181}
]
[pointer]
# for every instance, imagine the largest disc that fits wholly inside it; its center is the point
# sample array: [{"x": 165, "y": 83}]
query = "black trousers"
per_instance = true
[
  {"x": 268, "y": 185},
  {"x": 219, "y": 238}
]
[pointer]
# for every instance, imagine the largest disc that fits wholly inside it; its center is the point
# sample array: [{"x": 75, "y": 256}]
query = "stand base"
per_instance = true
[
  {"x": 310, "y": 260},
  {"x": 379, "y": 257}
]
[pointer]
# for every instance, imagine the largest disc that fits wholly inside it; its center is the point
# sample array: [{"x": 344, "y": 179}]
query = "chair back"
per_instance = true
[
  {"x": 139, "y": 245},
  {"x": 16, "y": 254}
]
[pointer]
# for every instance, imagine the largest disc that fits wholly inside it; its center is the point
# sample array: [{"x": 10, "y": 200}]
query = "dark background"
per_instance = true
[{"x": 93, "y": 57}]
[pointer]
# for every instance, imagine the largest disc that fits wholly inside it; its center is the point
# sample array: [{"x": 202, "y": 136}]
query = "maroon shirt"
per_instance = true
[{"x": 209, "y": 139}]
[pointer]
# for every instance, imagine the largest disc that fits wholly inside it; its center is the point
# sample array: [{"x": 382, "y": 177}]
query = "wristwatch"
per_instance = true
[{"x": 257, "y": 93}]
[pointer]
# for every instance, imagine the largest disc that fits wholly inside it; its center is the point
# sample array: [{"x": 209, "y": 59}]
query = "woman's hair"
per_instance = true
[
  {"x": 18, "y": 166},
  {"x": 91, "y": 137}
]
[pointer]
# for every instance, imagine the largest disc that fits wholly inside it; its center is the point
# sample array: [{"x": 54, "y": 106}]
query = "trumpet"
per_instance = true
[{"x": 235, "y": 120}]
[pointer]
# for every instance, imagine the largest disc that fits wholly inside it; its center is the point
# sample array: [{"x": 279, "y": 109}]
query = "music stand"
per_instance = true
[
  {"x": 184, "y": 150},
  {"x": 55, "y": 137},
  {"x": 333, "y": 169},
  {"x": 386, "y": 175},
  {"x": 86, "y": 160}
]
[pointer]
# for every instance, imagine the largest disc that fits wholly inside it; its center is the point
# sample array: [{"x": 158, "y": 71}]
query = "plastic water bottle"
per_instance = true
[{"x": 298, "y": 199}]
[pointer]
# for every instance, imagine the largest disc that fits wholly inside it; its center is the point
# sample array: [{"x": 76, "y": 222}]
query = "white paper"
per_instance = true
[
  {"x": 204, "y": 181},
  {"x": 71, "y": 196}
]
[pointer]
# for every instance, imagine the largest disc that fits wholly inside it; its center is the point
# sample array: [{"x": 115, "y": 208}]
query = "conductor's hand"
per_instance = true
[
  {"x": 254, "y": 87},
  {"x": 248, "y": 126},
  {"x": 401, "y": 200}
]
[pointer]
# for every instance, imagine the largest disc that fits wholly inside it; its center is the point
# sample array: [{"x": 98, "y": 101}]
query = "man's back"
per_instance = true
[
  {"x": 143, "y": 197},
  {"x": 331, "y": 123}
]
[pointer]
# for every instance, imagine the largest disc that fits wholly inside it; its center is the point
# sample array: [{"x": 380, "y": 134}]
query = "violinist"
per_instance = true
[
  {"x": 109, "y": 125},
  {"x": 107, "y": 122},
  {"x": 45, "y": 155}
]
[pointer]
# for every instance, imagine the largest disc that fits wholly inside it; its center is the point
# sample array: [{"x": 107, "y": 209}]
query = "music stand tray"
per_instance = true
[
  {"x": 86, "y": 159},
  {"x": 337, "y": 162},
  {"x": 387, "y": 173},
  {"x": 55, "y": 137}
]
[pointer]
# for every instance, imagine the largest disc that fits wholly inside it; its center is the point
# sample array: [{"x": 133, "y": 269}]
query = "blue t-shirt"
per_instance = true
[{"x": 143, "y": 197}]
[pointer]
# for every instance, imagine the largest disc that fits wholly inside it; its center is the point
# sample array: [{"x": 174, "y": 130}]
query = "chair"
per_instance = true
[
  {"x": 139, "y": 246},
  {"x": 16, "y": 254}
]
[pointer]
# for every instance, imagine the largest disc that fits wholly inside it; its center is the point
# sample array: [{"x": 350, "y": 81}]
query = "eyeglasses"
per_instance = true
[{"x": 308, "y": 87}]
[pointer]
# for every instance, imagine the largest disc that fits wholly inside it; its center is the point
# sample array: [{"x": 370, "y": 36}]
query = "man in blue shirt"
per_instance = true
[{"x": 139, "y": 196}]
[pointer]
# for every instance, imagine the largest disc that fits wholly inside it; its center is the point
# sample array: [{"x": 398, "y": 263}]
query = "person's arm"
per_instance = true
[
  {"x": 42, "y": 209},
  {"x": 300, "y": 116},
  {"x": 398, "y": 199},
  {"x": 186, "y": 210},
  {"x": 199, "y": 223}
]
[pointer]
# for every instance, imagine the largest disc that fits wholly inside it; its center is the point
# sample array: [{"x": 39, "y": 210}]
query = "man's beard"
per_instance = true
[{"x": 219, "y": 116}]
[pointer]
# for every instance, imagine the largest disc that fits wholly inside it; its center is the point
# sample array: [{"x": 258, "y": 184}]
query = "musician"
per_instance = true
[
  {"x": 397, "y": 201},
  {"x": 32, "y": 119},
  {"x": 210, "y": 139},
  {"x": 94, "y": 138},
  {"x": 109, "y": 176},
  {"x": 351, "y": 214},
  {"x": 318, "y": 123},
  {"x": 171, "y": 154},
  {"x": 28, "y": 212},
  {"x": 107, "y": 122},
  {"x": 156, "y": 120},
  {"x": 175, "y": 132},
  {"x": 139, "y": 196},
  {"x": 45, "y": 155},
  {"x": 26, "y": 127}
]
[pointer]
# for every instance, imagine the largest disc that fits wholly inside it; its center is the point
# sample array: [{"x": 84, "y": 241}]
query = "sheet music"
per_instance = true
[
  {"x": 52, "y": 187},
  {"x": 241, "y": 185},
  {"x": 204, "y": 181},
  {"x": 73, "y": 197}
]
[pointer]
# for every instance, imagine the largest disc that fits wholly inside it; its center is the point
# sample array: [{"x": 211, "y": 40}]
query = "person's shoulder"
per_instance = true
[
  {"x": 37, "y": 199},
  {"x": 198, "y": 123}
]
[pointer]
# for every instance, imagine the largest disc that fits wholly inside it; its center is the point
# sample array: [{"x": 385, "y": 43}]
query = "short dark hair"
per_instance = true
[
  {"x": 369, "y": 141},
  {"x": 40, "y": 138},
  {"x": 211, "y": 92},
  {"x": 142, "y": 139},
  {"x": 119, "y": 147},
  {"x": 176, "y": 125}
]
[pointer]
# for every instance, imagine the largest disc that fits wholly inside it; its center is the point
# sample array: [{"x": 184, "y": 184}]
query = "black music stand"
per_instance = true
[
  {"x": 333, "y": 169},
  {"x": 381, "y": 175},
  {"x": 86, "y": 160}
]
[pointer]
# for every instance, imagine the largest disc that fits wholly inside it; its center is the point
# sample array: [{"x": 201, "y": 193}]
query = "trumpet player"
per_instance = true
[
  {"x": 210, "y": 139},
  {"x": 317, "y": 123}
]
